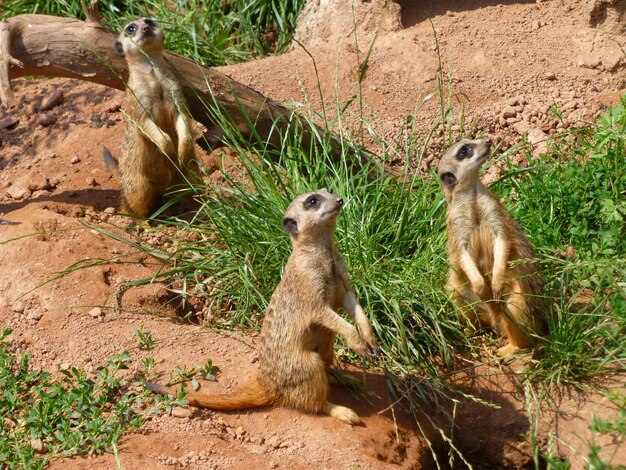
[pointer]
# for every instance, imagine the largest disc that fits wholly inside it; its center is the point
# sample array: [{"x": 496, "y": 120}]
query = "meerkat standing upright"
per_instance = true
[
  {"x": 482, "y": 239},
  {"x": 158, "y": 151},
  {"x": 302, "y": 322}
]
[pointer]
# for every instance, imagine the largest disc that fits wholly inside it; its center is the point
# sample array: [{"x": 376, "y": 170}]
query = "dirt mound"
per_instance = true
[{"x": 510, "y": 62}]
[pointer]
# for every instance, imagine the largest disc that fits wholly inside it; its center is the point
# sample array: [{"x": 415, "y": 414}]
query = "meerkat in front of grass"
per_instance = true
[
  {"x": 301, "y": 324},
  {"x": 158, "y": 151},
  {"x": 493, "y": 276}
]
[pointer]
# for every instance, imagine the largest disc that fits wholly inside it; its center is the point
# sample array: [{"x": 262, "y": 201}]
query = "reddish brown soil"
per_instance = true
[{"x": 510, "y": 60}]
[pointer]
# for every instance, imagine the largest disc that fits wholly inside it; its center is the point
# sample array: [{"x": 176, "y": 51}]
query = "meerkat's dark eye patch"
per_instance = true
[
  {"x": 313, "y": 201},
  {"x": 131, "y": 28},
  {"x": 290, "y": 225},
  {"x": 149, "y": 22},
  {"x": 467, "y": 151},
  {"x": 448, "y": 179}
]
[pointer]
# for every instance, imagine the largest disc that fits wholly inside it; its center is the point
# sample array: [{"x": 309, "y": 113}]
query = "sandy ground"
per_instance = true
[{"x": 510, "y": 62}]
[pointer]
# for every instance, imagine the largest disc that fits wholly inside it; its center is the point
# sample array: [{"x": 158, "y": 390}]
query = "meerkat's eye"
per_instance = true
[
  {"x": 312, "y": 201},
  {"x": 131, "y": 28},
  {"x": 465, "y": 152},
  {"x": 149, "y": 22}
]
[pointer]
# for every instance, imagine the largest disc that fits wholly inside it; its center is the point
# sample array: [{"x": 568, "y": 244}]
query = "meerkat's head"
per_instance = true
[
  {"x": 140, "y": 38},
  {"x": 312, "y": 216},
  {"x": 459, "y": 165}
]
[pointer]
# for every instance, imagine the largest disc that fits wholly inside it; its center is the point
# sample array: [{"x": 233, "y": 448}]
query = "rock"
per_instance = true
[
  {"x": 38, "y": 182},
  {"x": 180, "y": 412},
  {"x": 52, "y": 100},
  {"x": 39, "y": 446},
  {"x": 570, "y": 105},
  {"x": 273, "y": 442},
  {"x": 96, "y": 312},
  {"x": 521, "y": 127},
  {"x": 75, "y": 159},
  {"x": 508, "y": 112},
  {"x": 550, "y": 76},
  {"x": 109, "y": 210},
  {"x": 34, "y": 315},
  {"x": 8, "y": 122},
  {"x": 46, "y": 120},
  {"x": 18, "y": 192},
  {"x": 31, "y": 109},
  {"x": 114, "y": 108},
  {"x": 536, "y": 135},
  {"x": 330, "y": 21},
  {"x": 538, "y": 139},
  {"x": 590, "y": 64},
  {"x": 613, "y": 64},
  {"x": 18, "y": 307}
]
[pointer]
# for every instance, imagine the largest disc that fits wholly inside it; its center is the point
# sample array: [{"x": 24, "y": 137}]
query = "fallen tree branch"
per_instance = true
[{"x": 63, "y": 47}]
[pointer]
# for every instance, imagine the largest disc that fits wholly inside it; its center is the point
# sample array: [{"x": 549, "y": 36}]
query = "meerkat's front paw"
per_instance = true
[
  {"x": 359, "y": 345},
  {"x": 167, "y": 146},
  {"x": 479, "y": 286},
  {"x": 372, "y": 344},
  {"x": 497, "y": 286}
]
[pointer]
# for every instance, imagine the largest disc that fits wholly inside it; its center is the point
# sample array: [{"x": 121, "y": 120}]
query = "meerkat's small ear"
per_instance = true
[
  {"x": 448, "y": 179},
  {"x": 119, "y": 48},
  {"x": 290, "y": 225}
]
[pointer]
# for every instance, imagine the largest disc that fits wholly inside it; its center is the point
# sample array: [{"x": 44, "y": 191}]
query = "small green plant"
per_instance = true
[
  {"x": 148, "y": 364},
  {"x": 67, "y": 412},
  {"x": 206, "y": 371},
  {"x": 146, "y": 341}
]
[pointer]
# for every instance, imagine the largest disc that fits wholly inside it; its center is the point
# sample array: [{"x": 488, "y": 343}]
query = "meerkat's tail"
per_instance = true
[
  {"x": 249, "y": 395},
  {"x": 109, "y": 160}
]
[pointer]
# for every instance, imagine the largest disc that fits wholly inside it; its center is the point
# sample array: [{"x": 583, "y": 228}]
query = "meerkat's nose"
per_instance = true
[
  {"x": 339, "y": 201},
  {"x": 145, "y": 28},
  {"x": 488, "y": 141}
]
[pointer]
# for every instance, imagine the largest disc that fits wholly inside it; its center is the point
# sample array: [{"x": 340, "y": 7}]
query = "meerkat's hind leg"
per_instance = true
[
  {"x": 512, "y": 320},
  {"x": 337, "y": 377},
  {"x": 342, "y": 413}
]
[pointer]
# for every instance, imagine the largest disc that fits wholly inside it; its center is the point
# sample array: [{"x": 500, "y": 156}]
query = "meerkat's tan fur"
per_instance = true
[
  {"x": 302, "y": 322},
  {"x": 158, "y": 151},
  {"x": 483, "y": 241}
]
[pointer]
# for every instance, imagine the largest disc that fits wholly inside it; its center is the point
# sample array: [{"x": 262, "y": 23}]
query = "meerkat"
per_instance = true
[
  {"x": 483, "y": 239},
  {"x": 158, "y": 151},
  {"x": 301, "y": 324}
]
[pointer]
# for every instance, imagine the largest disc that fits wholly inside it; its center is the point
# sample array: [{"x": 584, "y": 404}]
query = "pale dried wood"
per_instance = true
[{"x": 84, "y": 50}]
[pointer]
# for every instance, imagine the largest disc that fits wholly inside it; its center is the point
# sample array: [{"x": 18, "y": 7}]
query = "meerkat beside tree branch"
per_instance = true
[
  {"x": 483, "y": 239},
  {"x": 159, "y": 151},
  {"x": 300, "y": 328}
]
